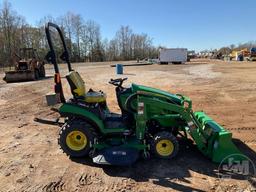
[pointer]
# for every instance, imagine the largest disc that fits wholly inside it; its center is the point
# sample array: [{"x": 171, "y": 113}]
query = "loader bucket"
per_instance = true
[
  {"x": 17, "y": 76},
  {"x": 218, "y": 141}
]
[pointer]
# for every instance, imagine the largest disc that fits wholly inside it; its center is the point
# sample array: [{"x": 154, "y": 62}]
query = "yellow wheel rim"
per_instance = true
[
  {"x": 76, "y": 140},
  {"x": 164, "y": 147}
]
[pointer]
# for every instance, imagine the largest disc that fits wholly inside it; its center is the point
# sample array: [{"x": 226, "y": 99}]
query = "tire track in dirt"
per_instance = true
[
  {"x": 54, "y": 186},
  {"x": 84, "y": 179},
  {"x": 246, "y": 134},
  {"x": 242, "y": 129},
  {"x": 79, "y": 182},
  {"x": 124, "y": 185},
  {"x": 88, "y": 181},
  {"x": 29, "y": 188}
]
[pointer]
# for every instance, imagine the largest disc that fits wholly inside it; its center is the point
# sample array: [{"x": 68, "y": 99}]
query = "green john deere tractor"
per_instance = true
[{"x": 149, "y": 123}]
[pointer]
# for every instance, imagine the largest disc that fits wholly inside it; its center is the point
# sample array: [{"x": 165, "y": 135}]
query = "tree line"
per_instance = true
[{"x": 83, "y": 39}]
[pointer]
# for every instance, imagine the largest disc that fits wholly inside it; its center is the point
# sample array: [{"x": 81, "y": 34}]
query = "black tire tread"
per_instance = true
[
  {"x": 80, "y": 125},
  {"x": 37, "y": 74},
  {"x": 42, "y": 71},
  {"x": 164, "y": 135}
]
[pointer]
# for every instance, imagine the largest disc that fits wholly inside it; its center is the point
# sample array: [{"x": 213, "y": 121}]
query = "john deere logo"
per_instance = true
[
  {"x": 123, "y": 153},
  {"x": 237, "y": 166}
]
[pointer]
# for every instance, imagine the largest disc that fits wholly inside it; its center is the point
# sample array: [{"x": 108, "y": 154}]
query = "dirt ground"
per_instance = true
[{"x": 30, "y": 158}]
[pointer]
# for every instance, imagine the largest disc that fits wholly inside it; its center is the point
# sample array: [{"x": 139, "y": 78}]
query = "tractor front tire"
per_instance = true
[
  {"x": 42, "y": 71},
  {"x": 76, "y": 138},
  {"x": 37, "y": 74},
  {"x": 164, "y": 145}
]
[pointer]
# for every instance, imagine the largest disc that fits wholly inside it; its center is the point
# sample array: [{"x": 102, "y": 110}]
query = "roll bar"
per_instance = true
[{"x": 51, "y": 58}]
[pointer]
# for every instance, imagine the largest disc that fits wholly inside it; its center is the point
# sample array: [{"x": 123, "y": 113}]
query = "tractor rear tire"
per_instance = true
[
  {"x": 76, "y": 138},
  {"x": 164, "y": 145}
]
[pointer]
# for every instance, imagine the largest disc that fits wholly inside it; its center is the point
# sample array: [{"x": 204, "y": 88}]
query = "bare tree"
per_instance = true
[
  {"x": 83, "y": 38},
  {"x": 77, "y": 23},
  {"x": 10, "y": 24},
  {"x": 123, "y": 37},
  {"x": 93, "y": 30}
]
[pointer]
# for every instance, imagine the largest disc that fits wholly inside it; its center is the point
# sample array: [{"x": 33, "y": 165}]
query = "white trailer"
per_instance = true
[{"x": 173, "y": 55}]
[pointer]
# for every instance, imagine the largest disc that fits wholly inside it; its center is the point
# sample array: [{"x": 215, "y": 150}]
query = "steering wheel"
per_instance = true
[{"x": 117, "y": 82}]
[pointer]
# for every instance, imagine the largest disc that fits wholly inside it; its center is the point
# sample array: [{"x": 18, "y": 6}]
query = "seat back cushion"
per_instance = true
[{"x": 76, "y": 83}]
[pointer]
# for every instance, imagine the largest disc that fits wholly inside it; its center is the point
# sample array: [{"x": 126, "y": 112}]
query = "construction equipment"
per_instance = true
[
  {"x": 191, "y": 55},
  {"x": 253, "y": 54},
  {"x": 151, "y": 121},
  {"x": 240, "y": 55},
  {"x": 29, "y": 67}
]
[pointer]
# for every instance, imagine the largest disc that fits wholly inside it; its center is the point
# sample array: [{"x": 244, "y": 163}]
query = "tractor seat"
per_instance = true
[
  {"x": 95, "y": 97},
  {"x": 78, "y": 90}
]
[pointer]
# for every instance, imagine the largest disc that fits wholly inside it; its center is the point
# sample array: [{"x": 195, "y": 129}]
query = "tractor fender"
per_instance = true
[
  {"x": 128, "y": 102},
  {"x": 68, "y": 109},
  {"x": 165, "y": 98}
]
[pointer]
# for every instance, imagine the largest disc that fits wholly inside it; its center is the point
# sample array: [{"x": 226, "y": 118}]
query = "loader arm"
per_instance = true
[{"x": 211, "y": 139}]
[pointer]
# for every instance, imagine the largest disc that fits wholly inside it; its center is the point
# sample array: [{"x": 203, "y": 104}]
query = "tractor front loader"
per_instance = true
[
  {"x": 28, "y": 68},
  {"x": 150, "y": 122}
]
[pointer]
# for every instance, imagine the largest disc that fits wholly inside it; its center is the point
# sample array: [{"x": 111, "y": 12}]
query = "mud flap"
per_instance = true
[
  {"x": 218, "y": 145},
  {"x": 17, "y": 76}
]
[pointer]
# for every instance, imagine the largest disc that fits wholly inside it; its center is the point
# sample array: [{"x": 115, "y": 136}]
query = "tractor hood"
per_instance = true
[{"x": 156, "y": 92}]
